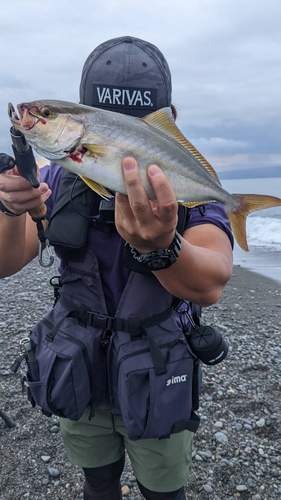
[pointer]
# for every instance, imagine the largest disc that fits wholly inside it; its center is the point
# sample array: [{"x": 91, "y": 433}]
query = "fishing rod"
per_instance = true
[{"x": 27, "y": 168}]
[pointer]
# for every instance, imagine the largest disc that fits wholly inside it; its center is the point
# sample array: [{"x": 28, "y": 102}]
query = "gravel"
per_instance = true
[{"x": 237, "y": 449}]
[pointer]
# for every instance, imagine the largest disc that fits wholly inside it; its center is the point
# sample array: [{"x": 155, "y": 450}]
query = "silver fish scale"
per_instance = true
[
  {"x": 128, "y": 136},
  {"x": 123, "y": 135}
]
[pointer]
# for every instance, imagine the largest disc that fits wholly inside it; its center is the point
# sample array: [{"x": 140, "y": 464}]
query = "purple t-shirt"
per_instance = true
[{"x": 108, "y": 246}]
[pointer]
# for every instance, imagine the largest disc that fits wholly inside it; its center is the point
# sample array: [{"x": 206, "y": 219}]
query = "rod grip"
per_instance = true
[{"x": 38, "y": 212}]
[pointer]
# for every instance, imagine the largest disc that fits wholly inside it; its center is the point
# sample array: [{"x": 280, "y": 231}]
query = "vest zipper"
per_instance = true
[
  {"x": 111, "y": 401},
  {"x": 143, "y": 351},
  {"x": 80, "y": 271}
]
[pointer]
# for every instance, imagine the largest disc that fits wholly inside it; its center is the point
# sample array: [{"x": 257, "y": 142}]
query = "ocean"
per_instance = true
[{"x": 263, "y": 228}]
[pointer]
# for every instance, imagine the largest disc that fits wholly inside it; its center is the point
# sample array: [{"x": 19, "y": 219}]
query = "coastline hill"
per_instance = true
[{"x": 250, "y": 173}]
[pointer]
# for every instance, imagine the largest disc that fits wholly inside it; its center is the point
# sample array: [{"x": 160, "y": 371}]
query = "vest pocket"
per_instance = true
[
  {"x": 60, "y": 389},
  {"x": 62, "y": 378},
  {"x": 152, "y": 404}
]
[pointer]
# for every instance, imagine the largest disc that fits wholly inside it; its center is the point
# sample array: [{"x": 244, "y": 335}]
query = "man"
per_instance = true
[{"x": 131, "y": 76}]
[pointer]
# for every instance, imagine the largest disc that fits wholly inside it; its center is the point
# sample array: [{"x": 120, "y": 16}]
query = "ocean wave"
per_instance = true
[{"x": 264, "y": 231}]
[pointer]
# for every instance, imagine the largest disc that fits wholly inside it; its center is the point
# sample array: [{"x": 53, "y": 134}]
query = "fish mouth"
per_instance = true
[
  {"x": 26, "y": 120},
  {"x": 12, "y": 113}
]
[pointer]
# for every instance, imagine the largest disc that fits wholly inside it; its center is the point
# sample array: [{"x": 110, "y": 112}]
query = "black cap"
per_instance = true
[{"x": 126, "y": 75}]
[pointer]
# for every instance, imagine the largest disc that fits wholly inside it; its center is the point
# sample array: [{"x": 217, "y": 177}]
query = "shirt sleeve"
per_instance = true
[
  {"x": 51, "y": 174},
  {"x": 211, "y": 213}
]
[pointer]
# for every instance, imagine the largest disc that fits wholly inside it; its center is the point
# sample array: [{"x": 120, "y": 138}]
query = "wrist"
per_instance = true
[
  {"x": 155, "y": 246},
  {"x": 157, "y": 260},
  {"x": 8, "y": 212}
]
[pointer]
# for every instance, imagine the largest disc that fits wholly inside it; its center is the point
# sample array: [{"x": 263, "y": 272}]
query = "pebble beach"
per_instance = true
[{"x": 237, "y": 449}]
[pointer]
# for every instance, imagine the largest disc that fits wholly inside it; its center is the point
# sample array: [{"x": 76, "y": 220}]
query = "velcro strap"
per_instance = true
[
  {"x": 189, "y": 425},
  {"x": 72, "y": 310},
  {"x": 134, "y": 326}
]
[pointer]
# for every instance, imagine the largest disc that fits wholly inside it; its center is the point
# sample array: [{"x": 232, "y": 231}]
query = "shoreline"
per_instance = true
[
  {"x": 240, "y": 399},
  {"x": 261, "y": 260}
]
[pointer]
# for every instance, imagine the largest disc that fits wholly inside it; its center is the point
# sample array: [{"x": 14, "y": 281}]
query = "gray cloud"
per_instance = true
[{"x": 225, "y": 60}]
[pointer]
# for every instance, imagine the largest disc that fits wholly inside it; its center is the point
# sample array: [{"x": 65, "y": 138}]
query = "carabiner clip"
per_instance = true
[{"x": 49, "y": 252}]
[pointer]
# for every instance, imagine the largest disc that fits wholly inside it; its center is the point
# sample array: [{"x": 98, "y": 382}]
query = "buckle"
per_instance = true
[
  {"x": 96, "y": 319},
  {"x": 135, "y": 328},
  {"x": 110, "y": 323}
]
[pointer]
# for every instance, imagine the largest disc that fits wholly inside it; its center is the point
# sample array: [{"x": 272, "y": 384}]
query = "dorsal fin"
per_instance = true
[{"x": 163, "y": 120}]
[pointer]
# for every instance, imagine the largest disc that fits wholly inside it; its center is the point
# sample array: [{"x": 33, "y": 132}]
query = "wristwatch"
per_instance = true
[
  {"x": 6, "y": 211},
  {"x": 158, "y": 259}
]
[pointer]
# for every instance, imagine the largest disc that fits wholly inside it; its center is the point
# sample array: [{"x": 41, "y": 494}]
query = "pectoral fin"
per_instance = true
[
  {"x": 96, "y": 150},
  {"x": 191, "y": 204},
  {"x": 101, "y": 190}
]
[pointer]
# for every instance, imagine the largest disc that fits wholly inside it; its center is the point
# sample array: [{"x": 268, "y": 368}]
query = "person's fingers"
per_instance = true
[
  {"x": 167, "y": 206},
  {"x": 9, "y": 183},
  {"x": 17, "y": 194},
  {"x": 20, "y": 208},
  {"x": 6, "y": 162},
  {"x": 154, "y": 206},
  {"x": 138, "y": 199},
  {"x": 122, "y": 207},
  {"x": 27, "y": 196}
]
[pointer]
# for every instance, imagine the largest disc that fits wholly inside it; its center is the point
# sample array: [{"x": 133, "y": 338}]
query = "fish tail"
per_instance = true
[{"x": 245, "y": 204}]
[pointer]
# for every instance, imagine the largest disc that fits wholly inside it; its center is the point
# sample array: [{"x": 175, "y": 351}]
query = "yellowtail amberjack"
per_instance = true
[{"x": 93, "y": 142}]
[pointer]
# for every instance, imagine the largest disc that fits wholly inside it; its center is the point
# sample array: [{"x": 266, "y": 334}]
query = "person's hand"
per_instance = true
[
  {"x": 146, "y": 225},
  {"x": 17, "y": 194}
]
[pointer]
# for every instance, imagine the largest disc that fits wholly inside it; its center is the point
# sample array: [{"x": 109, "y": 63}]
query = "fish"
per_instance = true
[{"x": 92, "y": 143}]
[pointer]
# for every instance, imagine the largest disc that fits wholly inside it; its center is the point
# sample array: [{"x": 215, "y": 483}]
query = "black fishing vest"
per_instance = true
[
  {"x": 139, "y": 361},
  {"x": 77, "y": 207}
]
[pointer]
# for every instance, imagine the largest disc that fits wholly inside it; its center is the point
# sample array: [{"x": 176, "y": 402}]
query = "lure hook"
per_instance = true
[{"x": 49, "y": 252}]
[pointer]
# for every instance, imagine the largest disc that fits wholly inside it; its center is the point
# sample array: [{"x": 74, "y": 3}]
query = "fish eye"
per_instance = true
[{"x": 47, "y": 112}]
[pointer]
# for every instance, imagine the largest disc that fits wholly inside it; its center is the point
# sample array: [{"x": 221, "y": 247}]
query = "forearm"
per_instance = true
[
  {"x": 18, "y": 243},
  {"x": 12, "y": 244},
  {"x": 18, "y": 235},
  {"x": 199, "y": 275},
  {"x": 205, "y": 262}
]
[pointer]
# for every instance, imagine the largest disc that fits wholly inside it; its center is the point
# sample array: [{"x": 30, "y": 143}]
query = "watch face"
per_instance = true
[
  {"x": 158, "y": 259},
  {"x": 158, "y": 263}
]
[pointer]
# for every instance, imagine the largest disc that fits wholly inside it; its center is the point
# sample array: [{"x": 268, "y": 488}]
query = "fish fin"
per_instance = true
[
  {"x": 96, "y": 150},
  {"x": 191, "y": 204},
  {"x": 98, "y": 188},
  {"x": 163, "y": 120},
  {"x": 246, "y": 204}
]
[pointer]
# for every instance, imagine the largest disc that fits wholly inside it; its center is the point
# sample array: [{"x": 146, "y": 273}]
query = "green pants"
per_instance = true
[{"x": 161, "y": 465}]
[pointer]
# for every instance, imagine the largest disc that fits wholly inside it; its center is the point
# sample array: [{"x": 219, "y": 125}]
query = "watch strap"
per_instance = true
[{"x": 158, "y": 259}]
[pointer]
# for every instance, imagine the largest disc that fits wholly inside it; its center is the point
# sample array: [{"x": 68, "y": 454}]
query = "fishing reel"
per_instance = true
[
  {"x": 205, "y": 341},
  {"x": 208, "y": 344}
]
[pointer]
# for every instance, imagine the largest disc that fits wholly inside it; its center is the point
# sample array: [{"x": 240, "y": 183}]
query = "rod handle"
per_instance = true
[{"x": 38, "y": 212}]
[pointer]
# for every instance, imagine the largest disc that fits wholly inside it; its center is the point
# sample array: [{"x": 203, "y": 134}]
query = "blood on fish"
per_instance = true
[
  {"x": 75, "y": 157},
  {"x": 22, "y": 107},
  {"x": 78, "y": 155}
]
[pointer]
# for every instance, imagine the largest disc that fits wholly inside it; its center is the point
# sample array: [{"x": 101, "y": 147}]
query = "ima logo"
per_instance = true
[
  {"x": 176, "y": 380},
  {"x": 111, "y": 96}
]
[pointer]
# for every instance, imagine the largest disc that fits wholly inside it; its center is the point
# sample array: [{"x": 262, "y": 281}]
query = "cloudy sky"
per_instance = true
[{"x": 224, "y": 55}]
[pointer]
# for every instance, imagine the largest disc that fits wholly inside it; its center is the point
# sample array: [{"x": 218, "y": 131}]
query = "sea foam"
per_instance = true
[{"x": 264, "y": 231}]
